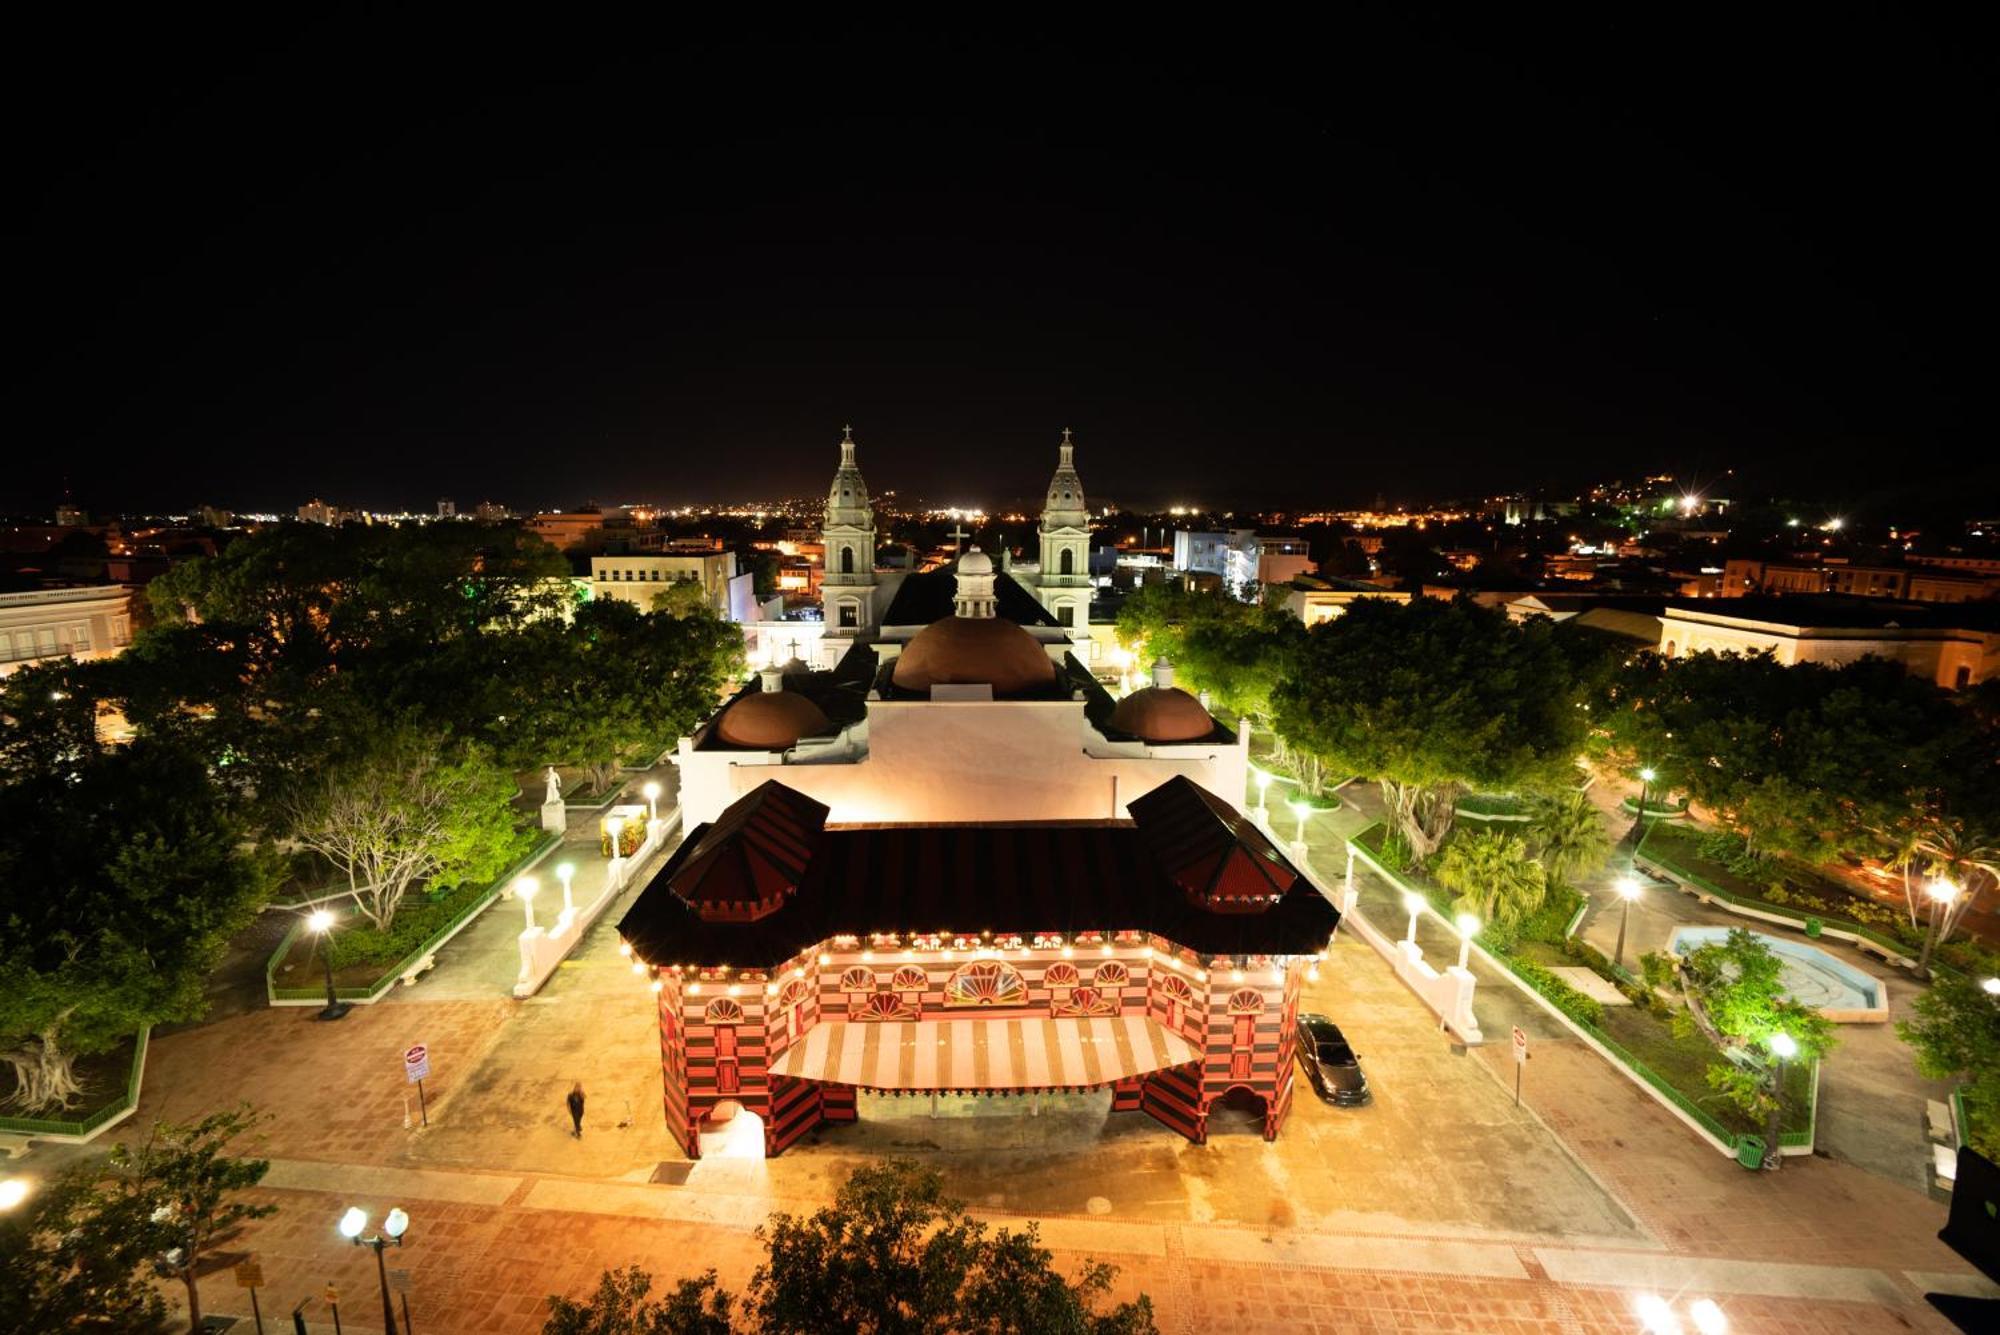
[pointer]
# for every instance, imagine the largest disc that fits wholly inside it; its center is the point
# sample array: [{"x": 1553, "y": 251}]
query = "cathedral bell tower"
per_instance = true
[
  {"x": 1064, "y": 584},
  {"x": 847, "y": 592}
]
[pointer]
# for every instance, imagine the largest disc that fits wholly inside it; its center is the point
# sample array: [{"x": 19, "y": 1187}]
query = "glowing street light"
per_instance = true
[
  {"x": 524, "y": 889},
  {"x": 1413, "y": 904},
  {"x": 1783, "y": 1047},
  {"x": 1708, "y": 1318},
  {"x": 1263, "y": 777},
  {"x": 1992, "y": 987},
  {"x": 615, "y": 827},
  {"x": 1942, "y": 894},
  {"x": 320, "y": 922},
  {"x": 652, "y": 792},
  {"x": 1300, "y": 810},
  {"x": 1628, "y": 890},
  {"x": 394, "y": 1225},
  {"x": 13, "y": 1190},
  {"x": 565, "y": 871},
  {"x": 1468, "y": 927},
  {"x": 1656, "y": 1316}
]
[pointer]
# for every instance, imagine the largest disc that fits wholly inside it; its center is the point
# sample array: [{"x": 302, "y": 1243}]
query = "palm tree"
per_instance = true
[
  {"x": 1568, "y": 835},
  {"x": 1967, "y": 859},
  {"x": 1493, "y": 876}
]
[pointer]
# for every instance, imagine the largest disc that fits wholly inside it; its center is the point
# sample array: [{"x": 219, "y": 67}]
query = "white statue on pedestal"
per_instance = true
[{"x": 555, "y": 786}]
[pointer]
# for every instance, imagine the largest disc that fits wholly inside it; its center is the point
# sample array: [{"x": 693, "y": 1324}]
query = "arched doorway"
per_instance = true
[
  {"x": 1237, "y": 1110},
  {"x": 732, "y": 1131}
]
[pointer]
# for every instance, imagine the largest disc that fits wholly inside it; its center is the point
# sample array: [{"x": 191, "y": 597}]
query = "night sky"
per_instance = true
[{"x": 382, "y": 266}]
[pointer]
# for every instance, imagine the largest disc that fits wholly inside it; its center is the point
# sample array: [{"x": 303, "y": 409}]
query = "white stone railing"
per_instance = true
[{"x": 543, "y": 949}]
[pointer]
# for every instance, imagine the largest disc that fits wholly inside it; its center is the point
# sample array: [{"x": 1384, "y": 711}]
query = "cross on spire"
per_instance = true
[
  {"x": 1065, "y": 439},
  {"x": 958, "y": 535},
  {"x": 847, "y": 435}
]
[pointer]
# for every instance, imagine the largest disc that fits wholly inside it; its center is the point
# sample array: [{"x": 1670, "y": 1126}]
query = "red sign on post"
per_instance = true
[
  {"x": 417, "y": 1062},
  {"x": 1520, "y": 1044}
]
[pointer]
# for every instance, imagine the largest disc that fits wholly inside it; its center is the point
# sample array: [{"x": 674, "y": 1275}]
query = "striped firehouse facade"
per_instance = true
[{"x": 795, "y": 965}]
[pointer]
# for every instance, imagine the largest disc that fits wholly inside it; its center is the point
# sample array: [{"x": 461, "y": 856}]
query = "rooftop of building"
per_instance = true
[
  {"x": 1838, "y": 612},
  {"x": 931, "y": 595}
]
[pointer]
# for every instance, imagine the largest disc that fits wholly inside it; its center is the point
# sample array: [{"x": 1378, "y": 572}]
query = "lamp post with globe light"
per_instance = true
[
  {"x": 1468, "y": 927},
  {"x": 1300, "y": 810},
  {"x": 1628, "y": 890},
  {"x": 565, "y": 872},
  {"x": 1413, "y": 904},
  {"x": 1646, "y": 776},
  {"x": 525, "y": 888},
  {"x": 1942, "y": 894},
  {"x": 321, "y": 923},
  {"x": 652, "y": 794},
  {"x": 13, "y": 1190},
  {"x": 1783, "y": 1048},
  {"x": 1263, "y": 777},
  {"x": 394, "y": 1225}
]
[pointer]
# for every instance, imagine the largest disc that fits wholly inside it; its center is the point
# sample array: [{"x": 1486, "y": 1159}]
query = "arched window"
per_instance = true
[
  {"x": 1179, "y": 999},
  {"x": 1111, "y": 974},
  {"x": 1066, "y": 563},
  {"x": 1084, "y": 1001},
  {"x": 884, "y": 1006},
  {"x": 846, "y": 560},
  {"x": 858, "y": 979},
  {"x": 1246, "y": 1001},
  {"x": 909, "y": 978},
  {"x": 723, "y": 1011},
  {"x": 986, "y": 983},
  {"x": 793, "y": 1003},
  {"x": 1061, "y": 975},
  {"x": 725, "y": 1015}
]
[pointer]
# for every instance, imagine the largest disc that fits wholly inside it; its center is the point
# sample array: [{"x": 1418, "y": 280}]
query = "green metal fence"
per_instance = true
[
  {"x": 387, "y": 980},
  {"x": 83, "y": 1126}
]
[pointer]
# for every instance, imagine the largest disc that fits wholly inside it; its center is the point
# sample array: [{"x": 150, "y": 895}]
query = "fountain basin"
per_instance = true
[{"x": 1834, "y": 988}]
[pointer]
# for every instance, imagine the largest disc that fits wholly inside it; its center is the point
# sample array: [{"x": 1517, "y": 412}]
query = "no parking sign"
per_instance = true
[{"x": 417, "y": 1065}]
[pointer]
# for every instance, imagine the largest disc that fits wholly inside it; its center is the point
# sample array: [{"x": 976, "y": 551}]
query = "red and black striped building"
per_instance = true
[{"x": 794, "y": 964}]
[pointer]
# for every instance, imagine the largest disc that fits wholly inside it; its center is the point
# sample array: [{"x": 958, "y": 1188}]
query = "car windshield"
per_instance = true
[{"x": 1335, "y": 1052}]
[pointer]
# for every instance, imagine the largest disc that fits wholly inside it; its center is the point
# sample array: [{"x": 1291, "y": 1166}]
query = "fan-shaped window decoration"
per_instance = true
[
  {"x": 1173, "y": 985},
  {"x": 795, "y": 991},
  {"x": 1179, "y": 999},
  {"x": 858, "y": 979},
  {"x": 909, "y": 978},
  {"x": 1085, "y": 1001},
  {"x": 986, "y": 983},
  {"x": 1061, "y": 975},
  {"x": 1246, "y": 1001},
  {"x": 1110, "y": 974},
  {"x": 724, "y": 1011},
  {"x": 886, "y": 1006}
]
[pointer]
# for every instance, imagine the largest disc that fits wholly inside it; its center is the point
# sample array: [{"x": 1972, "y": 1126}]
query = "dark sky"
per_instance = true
[{"x": 380, "y": 265}]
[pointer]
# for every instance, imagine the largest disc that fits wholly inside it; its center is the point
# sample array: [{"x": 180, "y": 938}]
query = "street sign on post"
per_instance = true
[
  {"x": 1520, "y": 1060},
  {"x": 417, "y": 1065},
  {"x": 249, "y": 1274}
]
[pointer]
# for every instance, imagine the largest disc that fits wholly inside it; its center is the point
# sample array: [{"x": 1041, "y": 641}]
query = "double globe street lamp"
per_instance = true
[{"x": 353, "y": 1224}]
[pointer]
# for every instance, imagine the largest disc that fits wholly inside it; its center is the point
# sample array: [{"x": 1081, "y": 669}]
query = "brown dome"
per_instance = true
[
  {"x": 770, "y": 721},
  {"x": 970, "y": 651},
  {"x": 1162, "y": 714}
]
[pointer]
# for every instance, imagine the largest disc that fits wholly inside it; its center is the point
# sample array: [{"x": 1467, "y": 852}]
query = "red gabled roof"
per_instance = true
[
  {"x": 1215, "y": 854},
  {"x": 753, "y": 855}
]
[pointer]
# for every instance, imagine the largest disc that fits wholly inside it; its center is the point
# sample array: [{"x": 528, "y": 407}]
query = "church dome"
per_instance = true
[
  {"x": 1162, "y": 714},
  {"x": 770, "y": 721},
  {"x": 975, "y": 562},
  {"x": 971, "y": 651}
]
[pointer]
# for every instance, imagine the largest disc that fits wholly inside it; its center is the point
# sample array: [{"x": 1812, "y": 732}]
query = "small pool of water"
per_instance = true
[{"x": 1811, "y": 976}]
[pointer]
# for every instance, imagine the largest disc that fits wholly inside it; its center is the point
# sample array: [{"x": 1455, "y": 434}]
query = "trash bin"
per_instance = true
[
  {"x": 1750, "y": 1151},
  {"x": 1814, "y": 927}
]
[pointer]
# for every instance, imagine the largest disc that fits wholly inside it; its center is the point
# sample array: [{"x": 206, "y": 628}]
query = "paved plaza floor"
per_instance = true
[{"x": 1441, "y": 1206}]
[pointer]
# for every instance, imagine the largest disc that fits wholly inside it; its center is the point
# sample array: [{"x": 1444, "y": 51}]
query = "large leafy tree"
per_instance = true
[
  {"x": 74, "y": 1255},
  {"x": 1493, "y": 876},
  {"x": 123, "y": 874},
  {"x": 1567, "y": 834},
  {"x": 190, "y": 1188},
  {"x": 1430, "y": 699},
  {"x": 409, "y": 808},
  {"x": 1956, "y": 1036},
  {"x": 623, "y": 1305}
]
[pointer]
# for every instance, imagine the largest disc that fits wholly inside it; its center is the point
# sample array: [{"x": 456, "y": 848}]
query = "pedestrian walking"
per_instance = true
[{"x": 575, "y": 1101}]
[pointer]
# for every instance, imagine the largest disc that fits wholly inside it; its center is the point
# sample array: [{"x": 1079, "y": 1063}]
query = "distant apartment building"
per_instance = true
[
  {"x": 1314, "y": 606},
  {"x": 1241, "y": 558},
  {"x": 317, "y": 511},
  {"x": 641, "y": 578},
  {"x": 1955, "y": 648},
  {"x": 84, "y": 623},
  {"x": 490, "y": 512},
  {"x": 447, "y": 509},
  {"x": 1744, "y": 578},
  {"x": 567, "y": 530}
]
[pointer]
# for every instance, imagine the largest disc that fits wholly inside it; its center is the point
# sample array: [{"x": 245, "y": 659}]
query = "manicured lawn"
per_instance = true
[{"x": 361, "y": 953}]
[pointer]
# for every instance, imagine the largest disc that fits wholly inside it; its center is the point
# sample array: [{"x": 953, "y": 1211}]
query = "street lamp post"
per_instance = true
[
  {"x": 1783, "y": 1047},
  {"x": 1646, "y": 777},
  {"x": 1468, "y": 927},
  {"x": 615, "y": 827},
  {"x": 652, "y": 792},
  {"x": 1263, "y": 787},
  {"x": 1941, "y": 893},
  {"x": 1300, "y": 810},
  {"x": 1628, "y": 890},
  {"x": 321, "y": 922},
  {"x": 1991, "y": 987},
  {"x": 13, "y": 1190},
  {"x": 1413, "y": 904},
  {"x": 564, "y": 872},
  {"x": 393, "y": 1226},
  {"x": 524, "y": 890}
]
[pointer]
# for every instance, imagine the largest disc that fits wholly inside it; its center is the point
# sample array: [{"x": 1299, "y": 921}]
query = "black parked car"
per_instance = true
[{"x": 1330, "y": 1064}]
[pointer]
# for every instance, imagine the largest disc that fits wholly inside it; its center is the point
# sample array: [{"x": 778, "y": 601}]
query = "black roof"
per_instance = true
[
  {"x": 933, "y": 596},
  {"x": 1005, "y": 878},
  {"x": 1833, "y": 611}
]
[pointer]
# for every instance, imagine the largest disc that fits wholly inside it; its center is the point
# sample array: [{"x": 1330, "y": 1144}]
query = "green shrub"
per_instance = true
[
  {"x": 1550, "y": 922},
  {"x": 1657, "y": 969},
  {"x": 1584, "y": 1010},
  {"x": 1395, "y": 851}
]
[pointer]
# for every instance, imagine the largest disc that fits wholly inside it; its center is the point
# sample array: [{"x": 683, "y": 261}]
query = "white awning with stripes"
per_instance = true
[{"x": 984, "y": 1054}]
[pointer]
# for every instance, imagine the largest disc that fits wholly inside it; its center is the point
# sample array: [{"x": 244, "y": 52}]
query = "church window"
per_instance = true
[
  {"x": 849, "y": 616},
  {"x": 1066, "y": 564},
  {"x": 846, "y": 560}
]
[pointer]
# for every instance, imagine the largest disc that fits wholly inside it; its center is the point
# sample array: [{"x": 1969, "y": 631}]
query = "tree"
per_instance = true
[
  {"x": 1429, "y": 699},
  {"x": 189, "y": 1187},
  {"x": 621, "y": 1307},
  {"x": 74, "y": 1256},
  {"x": 123, "y": 876},
  {"x": 895, "y": 1255},
  {"x": 1966, "y": 861},
  {"x": 1734, "y": 995},
  {"x": 683, "y": 597},
  {"x": 1956, "y": 1036},
  {"x": 1493, "y": 876},
  {"x": 413, "y": 807},
  {"x": 1567, "y": 834}
]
